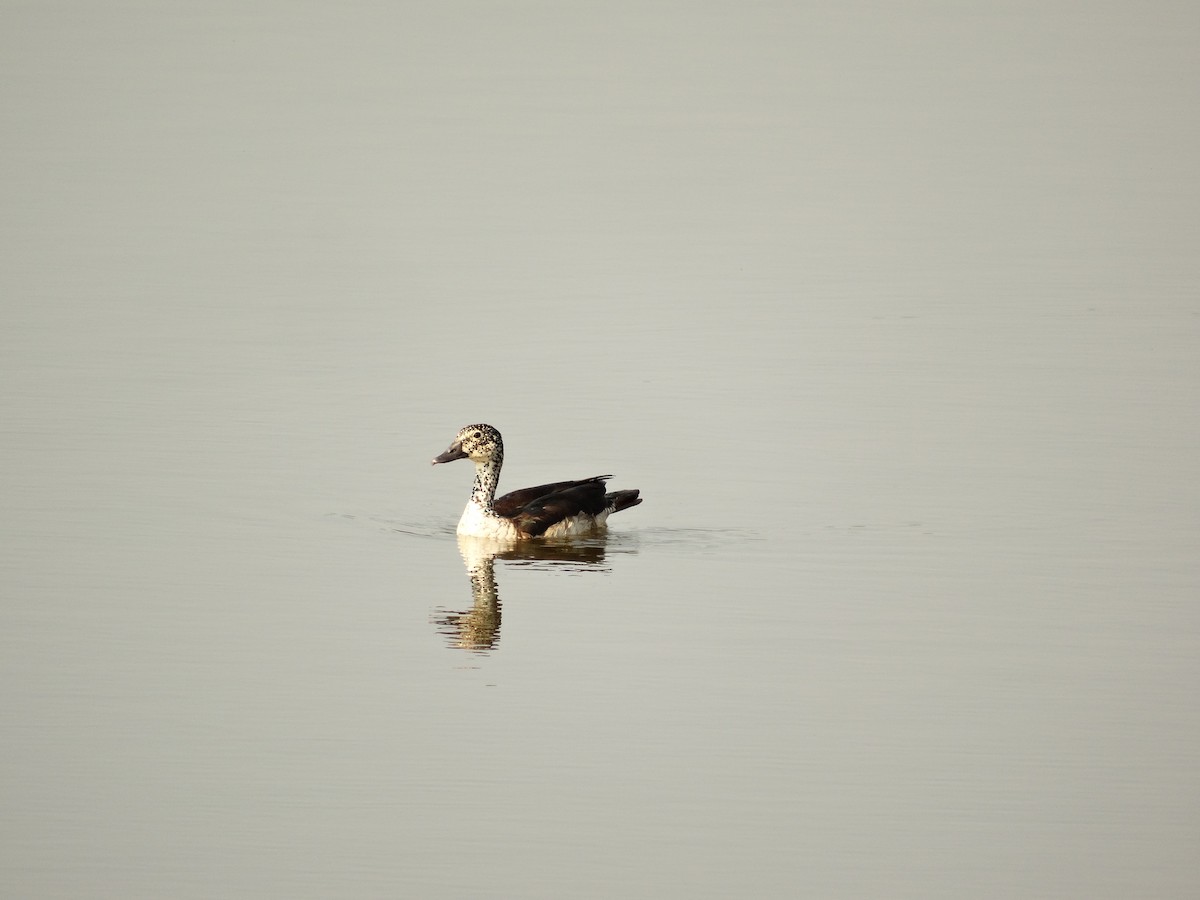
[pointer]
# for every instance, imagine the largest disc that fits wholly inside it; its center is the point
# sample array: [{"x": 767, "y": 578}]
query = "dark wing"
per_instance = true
[
  {"x": 535, "y": 509},
  {"x": 511, "y": 504}
]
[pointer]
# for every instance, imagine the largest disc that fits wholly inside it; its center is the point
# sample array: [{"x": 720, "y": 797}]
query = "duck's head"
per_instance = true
[{"x": 478, "y": 443}]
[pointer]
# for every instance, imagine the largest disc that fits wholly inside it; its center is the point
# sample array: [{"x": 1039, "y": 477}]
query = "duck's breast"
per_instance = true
[{"x": 477, "y": 523}]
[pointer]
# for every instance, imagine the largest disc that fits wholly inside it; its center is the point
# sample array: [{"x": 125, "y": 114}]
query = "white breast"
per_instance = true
[{"x": 475, "y": 522}]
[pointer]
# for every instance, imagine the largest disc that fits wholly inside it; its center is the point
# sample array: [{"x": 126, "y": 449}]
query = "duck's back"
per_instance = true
[{"x": 567, "y": 507}]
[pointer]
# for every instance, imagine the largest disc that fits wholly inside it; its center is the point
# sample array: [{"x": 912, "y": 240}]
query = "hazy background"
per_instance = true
[{"x": 890, "y": 310}]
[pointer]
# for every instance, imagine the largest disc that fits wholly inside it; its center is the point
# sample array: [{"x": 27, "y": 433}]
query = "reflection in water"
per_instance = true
[{"x": 478, "y": 628}]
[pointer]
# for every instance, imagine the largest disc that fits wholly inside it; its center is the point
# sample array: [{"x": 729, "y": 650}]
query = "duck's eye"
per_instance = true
[{"x": 476, "y": 435}]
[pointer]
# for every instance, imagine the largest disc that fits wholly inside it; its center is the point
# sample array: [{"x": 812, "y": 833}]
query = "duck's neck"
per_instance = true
[{"x": 487, "y": 476}]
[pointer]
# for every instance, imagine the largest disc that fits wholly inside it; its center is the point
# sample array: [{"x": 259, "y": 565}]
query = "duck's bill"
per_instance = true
[{"x": 455, "y": 451}]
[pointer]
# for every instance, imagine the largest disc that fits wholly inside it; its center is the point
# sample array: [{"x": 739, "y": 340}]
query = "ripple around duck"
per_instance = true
[
  {"x": 427, "y": 530},
  {"x": 548, "y": 553},
  {"x": 694, "y": 540}
]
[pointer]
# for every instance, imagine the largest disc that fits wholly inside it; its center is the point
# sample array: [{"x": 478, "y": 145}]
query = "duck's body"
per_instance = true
[{"x": 559, "y": 509}]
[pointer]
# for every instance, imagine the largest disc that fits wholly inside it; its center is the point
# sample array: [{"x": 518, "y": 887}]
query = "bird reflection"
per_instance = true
[{"x": 478, "y": 628}]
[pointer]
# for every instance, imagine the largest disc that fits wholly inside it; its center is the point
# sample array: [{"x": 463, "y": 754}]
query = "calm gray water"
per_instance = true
[{"x": 891, "y": 311}]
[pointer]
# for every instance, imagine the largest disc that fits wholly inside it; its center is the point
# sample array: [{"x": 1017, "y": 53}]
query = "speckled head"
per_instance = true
[{"x": 478, "y": 443}]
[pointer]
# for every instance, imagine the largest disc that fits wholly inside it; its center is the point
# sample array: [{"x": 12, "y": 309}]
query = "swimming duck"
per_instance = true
[{"x": 548, "y": 510}]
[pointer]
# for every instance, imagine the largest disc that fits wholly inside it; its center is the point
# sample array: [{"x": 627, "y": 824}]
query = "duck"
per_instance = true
[{"x": 559, "y": 509}]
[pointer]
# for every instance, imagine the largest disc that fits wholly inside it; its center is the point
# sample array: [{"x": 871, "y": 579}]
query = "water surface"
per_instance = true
[{"x": 890, "y": 312}]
